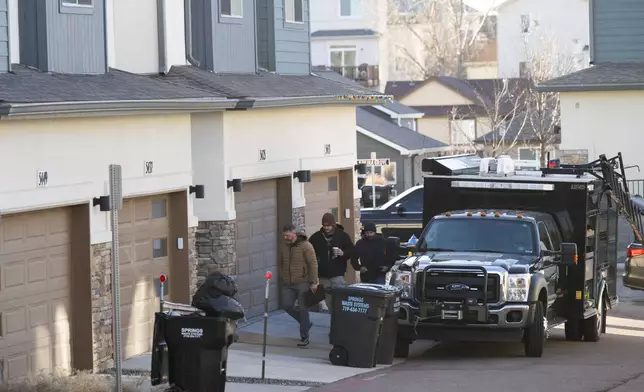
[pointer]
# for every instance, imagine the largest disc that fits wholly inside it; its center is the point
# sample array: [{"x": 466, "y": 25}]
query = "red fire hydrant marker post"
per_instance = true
[
  {"x": 269, "y": 275},
  {"x": 162, "y": 280}
]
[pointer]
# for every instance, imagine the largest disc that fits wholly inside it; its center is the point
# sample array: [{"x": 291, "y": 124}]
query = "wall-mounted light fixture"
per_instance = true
[
  {"x": 103, "y": 202},
  {"x": 361, "y": 181},
  {"x": 361, "y": 168},
  {"x": 235, "y": 183},
  {"x": 303, "y": 175},
  {"x": 198, "y": 190}
]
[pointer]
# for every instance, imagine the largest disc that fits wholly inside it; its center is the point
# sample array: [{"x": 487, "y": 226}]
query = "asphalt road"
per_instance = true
[{"x": 615, "y": 363}]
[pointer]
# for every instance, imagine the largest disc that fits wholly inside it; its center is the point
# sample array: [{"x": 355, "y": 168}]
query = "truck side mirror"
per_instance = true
[
  {"x": 569, "y": 253},
  {"x": 400, "y": 209}
]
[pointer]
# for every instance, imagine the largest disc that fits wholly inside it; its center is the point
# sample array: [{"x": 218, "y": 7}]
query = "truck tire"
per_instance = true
[
  {"x": 402, "y": 348},
  {"x": 574, "y": 331},
  {"x": 593, "y": 326},
  {"x": 535, "y": 335}
]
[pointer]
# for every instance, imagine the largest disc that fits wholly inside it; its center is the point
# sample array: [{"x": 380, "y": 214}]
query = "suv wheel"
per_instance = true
[{"x": 535, "y": 335}]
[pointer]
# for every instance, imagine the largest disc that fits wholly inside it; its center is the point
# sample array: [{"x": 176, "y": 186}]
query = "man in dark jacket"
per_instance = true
[
  {"x": 372, "y": 257},
  {"x": 333, "y": 248},
  {"x": 299, "y": 272}
]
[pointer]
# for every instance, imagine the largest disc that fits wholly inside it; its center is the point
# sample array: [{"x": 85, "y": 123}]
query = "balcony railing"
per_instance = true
[{"x": 367, "y": 75}]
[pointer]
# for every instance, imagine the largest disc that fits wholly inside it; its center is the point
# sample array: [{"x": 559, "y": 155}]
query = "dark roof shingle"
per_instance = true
[
  {"x": 519, "y": 128},
  {"x": 399, "y": 108},
  {"x": 600, "y": 77},
  {"x": 28, "y": 85},
  {"x": 261, "y": 84},
  {"x": 372, "y": 120}
]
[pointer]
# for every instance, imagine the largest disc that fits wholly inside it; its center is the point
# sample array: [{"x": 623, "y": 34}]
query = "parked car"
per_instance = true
[
  {"x": 633, "y": 276},
  {"x": 400, "y": 217}
]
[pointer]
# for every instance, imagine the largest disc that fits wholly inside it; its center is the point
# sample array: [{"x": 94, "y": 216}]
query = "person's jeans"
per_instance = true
[
  {"x": 293, "y": 293},
  {"x": 336, "y": 281},
  {"x": 380, "y": 279}
]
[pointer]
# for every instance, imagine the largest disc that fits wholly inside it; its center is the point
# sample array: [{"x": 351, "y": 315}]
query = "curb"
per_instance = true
[{"x": 234, "y": 380}]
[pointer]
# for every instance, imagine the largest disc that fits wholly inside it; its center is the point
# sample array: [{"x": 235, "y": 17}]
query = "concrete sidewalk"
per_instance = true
[{"x": 285, "y": 361}]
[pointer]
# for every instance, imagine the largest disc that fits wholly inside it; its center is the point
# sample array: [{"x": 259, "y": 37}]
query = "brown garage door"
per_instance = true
[
  {"x": 256, "y": 208},
  {"x": 143, "y": 237},
  {"x": 322, "y": 196},
  {"x": 34, "y": 292}
]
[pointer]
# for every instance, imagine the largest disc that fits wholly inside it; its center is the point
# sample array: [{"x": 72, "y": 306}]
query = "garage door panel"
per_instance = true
[
  {"x": 321, "y": 196},
  {"x": 256, "y": 248}
]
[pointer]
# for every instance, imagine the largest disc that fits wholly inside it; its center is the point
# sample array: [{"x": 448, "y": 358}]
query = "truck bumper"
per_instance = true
[{"x": 505, "y": 323}]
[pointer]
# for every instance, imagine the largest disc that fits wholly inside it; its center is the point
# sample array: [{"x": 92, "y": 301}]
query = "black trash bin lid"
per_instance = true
[{"x": 368, "y": 289}]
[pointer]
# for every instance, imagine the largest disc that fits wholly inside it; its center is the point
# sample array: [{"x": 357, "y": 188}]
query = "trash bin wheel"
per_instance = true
[
  {"x": 339, "y": 356},
  {"x": 402, "y": 348}
]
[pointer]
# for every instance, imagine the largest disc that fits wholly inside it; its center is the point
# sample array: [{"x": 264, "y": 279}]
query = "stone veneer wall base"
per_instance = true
[
  {"x": 215, "y": 248},
  {"x": 299, "y": 219}
]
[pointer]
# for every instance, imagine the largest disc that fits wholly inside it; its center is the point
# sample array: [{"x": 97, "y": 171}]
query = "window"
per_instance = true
[
  {"x": 232, "y": 8},
  {"x": 525, "y": 23},
  {"x": 527, "y": 154},
  {"x": 480, "y": 235},
  {"x": 293, "y": 11},
  {"x": 407, "y": 123},
  {"x": 544, "y": 237},
  {"x": 332, "y": 184},
  {"x": 159, "y": 248},
  {"x": 555, "y": 235},
  {"x": 343, "y": 60},
  {"x": 350, "y": 8},
  {"x": 78, "y": 3},
  {"x": 463, "y": 131},
  {"x": 383, "y": 174},
  {"x": 159, "y": 209},
  {"x": 523, "y": 69},
  {"x": 413, "y": 202}
]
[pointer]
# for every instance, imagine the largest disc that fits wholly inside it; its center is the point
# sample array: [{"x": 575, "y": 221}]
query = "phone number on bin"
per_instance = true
[{"x": 355, "y": 305}]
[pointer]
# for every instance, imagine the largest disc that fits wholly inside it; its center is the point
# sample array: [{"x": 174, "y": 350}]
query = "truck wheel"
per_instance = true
[
  {"x": 535, "y": 335},
  {"x": 339, "y": 356},
  {"x": 574, "y": 331},
  {"x": 402, "y": 348},
  {"x": 593, "y": 326}
]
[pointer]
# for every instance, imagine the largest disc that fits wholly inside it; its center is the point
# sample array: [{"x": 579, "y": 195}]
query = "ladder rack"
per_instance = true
[{"x": 611, "y": 172}]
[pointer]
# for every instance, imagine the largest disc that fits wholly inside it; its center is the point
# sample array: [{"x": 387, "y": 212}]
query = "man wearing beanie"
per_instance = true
[
  {"x": 371, "y": 256},
  {"x": 333, "y": 248}
]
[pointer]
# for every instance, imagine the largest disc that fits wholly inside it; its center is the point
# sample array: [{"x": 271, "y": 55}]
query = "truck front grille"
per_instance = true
[{"x": 436, "y": 284}]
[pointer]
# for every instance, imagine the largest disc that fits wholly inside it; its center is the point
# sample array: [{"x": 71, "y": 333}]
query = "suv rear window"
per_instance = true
[{"x": 480, "y": 235}]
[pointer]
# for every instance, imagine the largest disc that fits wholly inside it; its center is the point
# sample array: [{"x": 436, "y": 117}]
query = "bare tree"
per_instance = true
[{"x": 435, "y": 37}]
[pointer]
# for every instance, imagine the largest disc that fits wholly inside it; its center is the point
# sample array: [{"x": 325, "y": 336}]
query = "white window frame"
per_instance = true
[
  {"x": 526, "y": 23},
  {"x": 289, "y": 11},
  {"x": 232, "y": 15},
  {"x": 343, "y": 49},
  {"x": 463, "y": 138},
  {"x": 74, "y": 3},
  {"x": 532, "y": 150},
  {"x": 355, "y": 9}
]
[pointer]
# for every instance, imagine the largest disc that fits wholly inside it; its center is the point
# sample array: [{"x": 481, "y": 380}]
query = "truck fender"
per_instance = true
[
  {"x": 601, "y": 287},
  {"x": 537, "y": 283}
]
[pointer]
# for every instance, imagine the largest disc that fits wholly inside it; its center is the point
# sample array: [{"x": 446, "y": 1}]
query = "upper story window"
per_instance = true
[
  {"x": 293, "y": 12},
  {"x": 525, "y": 23},
  {"x": 78, "y": 3},
  {"x": 349, "y": 8},
  {"x": 83, "y": 7},
  {"x": 232, "y": 8}
]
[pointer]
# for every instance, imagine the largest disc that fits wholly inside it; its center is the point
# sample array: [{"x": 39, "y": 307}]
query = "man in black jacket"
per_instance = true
[
  {"x": 372, "y": 257},
  {"x": 333, "y": 248}
]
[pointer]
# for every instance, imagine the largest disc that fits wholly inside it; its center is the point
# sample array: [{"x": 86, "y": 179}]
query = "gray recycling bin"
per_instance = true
[
  {"x": 389, "y": 330},
  {"x": 356, "y": 322},
  {"x": 196, "y": 350}
]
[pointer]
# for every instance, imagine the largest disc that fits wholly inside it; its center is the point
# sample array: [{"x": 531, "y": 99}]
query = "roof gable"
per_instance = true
[{"x": 435, "y": 92}]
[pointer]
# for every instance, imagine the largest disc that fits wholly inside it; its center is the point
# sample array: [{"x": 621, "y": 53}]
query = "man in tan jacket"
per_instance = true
[{"x": 299, "y": 273}]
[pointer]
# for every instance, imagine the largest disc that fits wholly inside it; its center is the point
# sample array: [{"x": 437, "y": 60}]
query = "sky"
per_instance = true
[{"x": 484, "y": 4}]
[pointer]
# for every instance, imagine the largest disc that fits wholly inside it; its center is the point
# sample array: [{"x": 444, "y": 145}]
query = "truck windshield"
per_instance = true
[{"x": 480, "y": 235}]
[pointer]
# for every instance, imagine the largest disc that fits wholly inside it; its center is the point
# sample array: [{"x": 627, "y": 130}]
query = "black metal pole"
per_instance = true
[{"x": 268, "y": 281}]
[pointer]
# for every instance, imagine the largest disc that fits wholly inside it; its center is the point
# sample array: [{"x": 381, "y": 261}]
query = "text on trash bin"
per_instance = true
[{"x": 355, "y": 305}]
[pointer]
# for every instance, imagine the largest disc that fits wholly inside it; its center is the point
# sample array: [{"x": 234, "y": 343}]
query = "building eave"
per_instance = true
[
  {"x": 393, "y": 114},
  {"x": 565, "y": 88},
  {"x": 81, "y": 109},
  {"x": 359, "y": 100}
]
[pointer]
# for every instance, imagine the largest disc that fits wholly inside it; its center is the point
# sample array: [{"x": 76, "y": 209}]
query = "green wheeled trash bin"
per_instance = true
[
  {"x": 356, "y": 322},
  {"x": 389, "y": 330},
  {"x": 197, "y": 351}
]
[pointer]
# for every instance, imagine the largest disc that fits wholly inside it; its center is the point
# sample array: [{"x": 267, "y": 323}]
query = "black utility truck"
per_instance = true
[{"x": 507, "y": 255}]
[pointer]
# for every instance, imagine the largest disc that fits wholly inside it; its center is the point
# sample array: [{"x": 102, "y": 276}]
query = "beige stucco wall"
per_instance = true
[{"x": 435, "y": 127}]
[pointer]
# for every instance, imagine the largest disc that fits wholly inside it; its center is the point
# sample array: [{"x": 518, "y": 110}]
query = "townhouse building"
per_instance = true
[{"x": 179, "y": 93}]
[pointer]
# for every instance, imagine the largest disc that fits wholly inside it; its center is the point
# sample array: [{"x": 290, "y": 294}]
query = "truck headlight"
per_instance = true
[
  {"x": 402, "y": 280},
  {"x": 518, "y": 287}
]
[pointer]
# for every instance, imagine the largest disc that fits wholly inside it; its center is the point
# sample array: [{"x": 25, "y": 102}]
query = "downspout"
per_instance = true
[
  {"x": 106, "y": 49},
  {"x": 255, "y": 35},
  {"x": 309, "y": 22},
  {"x": 187, "y": 5},
  {"x": 161, "y": 34}
]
